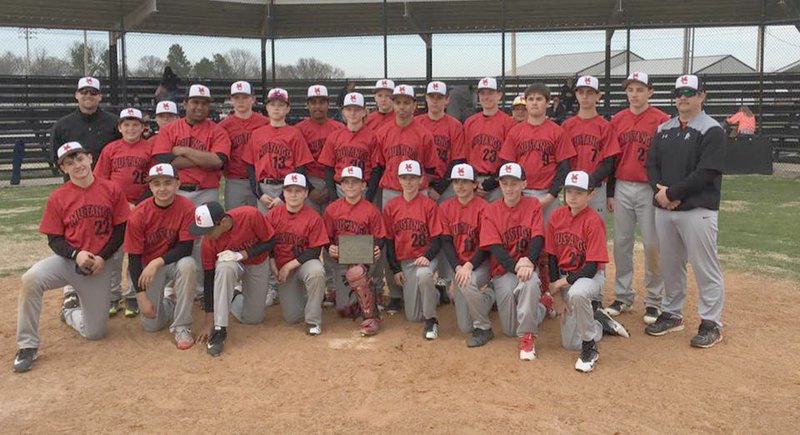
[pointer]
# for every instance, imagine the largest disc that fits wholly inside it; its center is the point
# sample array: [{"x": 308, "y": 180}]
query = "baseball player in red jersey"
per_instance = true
[
  {"x": 630, "y": 198},
  {"x": 414, "y": 227},
  {"x": 576, "y": 244},
  {"x": 235, "y": 246},
  {"x": 512, "y": 232},
  {"x": 484, "y": 134},
  {"x": 384, "y": 110},
  {"x": 354, "y": 215},
  {"x": 593, "y": 137},
  {"x": 239, "y": 125},
  {"x": 84, "y": 220},
  {"x": 461, "y": 218},
  {"x": 300, "y": 236},
  {"x": 125, "y": 162},
  {"x": 519, "y": 109},
  {"x": 159, "y": 248}
]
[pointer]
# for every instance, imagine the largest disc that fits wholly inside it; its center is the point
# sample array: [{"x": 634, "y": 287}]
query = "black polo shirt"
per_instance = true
[{"x": 91, "y": 131}]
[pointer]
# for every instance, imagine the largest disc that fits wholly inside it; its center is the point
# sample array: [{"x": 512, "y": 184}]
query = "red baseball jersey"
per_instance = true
[
  {"x": 483, "y": 138},
  {"x": 127, "y": 165},
  {"x": 239, "y": 131},
  {"x": 594, "y": 140},
  {"x": 395, "y": 144},
  {"x": 634, "y": 133},
  {"x": 345, "y": 148},
  {"x": 447, "y": 133},
  {"x": 315, "y": 136},
  {"x": 344, "y": 219},
  {"x": 250, "y": 227},
  {"x": 295, "y": 232},
  {"x": 463, "y": 222},
  {"x": 376, "y": 119},
  {"x": 205, "y": 136},
  {"x": 574, "y": 240},
  {"x": 276, "y": 151},
  {"x": 151, "y": 230},
  {"x": 412, "y": 224},
  {"x": 85, "y": 217},
  {"x": 511, "y": 227},
  {"x": 538, "y": 149}
]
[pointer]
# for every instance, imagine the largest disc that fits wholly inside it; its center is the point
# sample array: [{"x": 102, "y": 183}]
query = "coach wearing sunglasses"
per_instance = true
[{"x": 89, "y": 125}]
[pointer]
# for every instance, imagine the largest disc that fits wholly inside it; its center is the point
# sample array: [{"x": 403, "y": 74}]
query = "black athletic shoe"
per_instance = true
[
  {"x": 588, "y": 358},
  {"x": 610, "y": 326},
  {"x": 650, "y": 315},
  {"x": 665, "y": 323},
  {"x": 708, "y": 335},
  {"x": 131, "y": 307},
  {"x": 441, "y": 286},
  {"x": 216, "y": 342},
  {"x": 480, "y": 337},
  {"x": 70, "y": 302},
  {"x": 431, "y": 329},
  {"x": 616, "y": 308},
  {"x": 596, "y": 305},
  {"x": 24, "y": 360},
  {"x": 395, "y": 306}
]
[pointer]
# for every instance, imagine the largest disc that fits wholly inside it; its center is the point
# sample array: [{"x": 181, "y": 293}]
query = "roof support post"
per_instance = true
[
  {"x": 385, "y": 40},
  {"x": 138, "y": 15},
  {"x": 607, "y": 80}
]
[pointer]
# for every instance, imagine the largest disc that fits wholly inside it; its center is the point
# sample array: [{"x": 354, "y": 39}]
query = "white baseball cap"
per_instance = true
[
  {"x": 488, "y": 83},
  {"x": 199, "y": 91},
  {"x": 206, "y": 217},
  {"x": 166, "y": 107},
  {"x": 511, "y": 170},
  {"x": 352, "y": 172},
  {"x": 587, "y": 82},
  {"x": 130, "y": 112},
  {"x": 637, "y": 76},
  {"x": 67, "y": 149},
  {"x": 162, "y": 170},
  {"x": 294, "y": 179},
  {"x": 89, "y": 82},
  {"x": 384, "y": 84},
  {"x": 519, "y": 100},
  {"x": 241, "y": 87},
  {"x": 436, "y": 88},
  {"x": 406, "y": 90},
  {"x": 317, "y": 91},
  {"x": 688, "y": 82},
  {"x": 409, "y": 167},
  {"x": 462, "y": 171},
  {"x": 577, "y": 180},
  {"x": 279, "y": 94},
  {"x": 353, "y": 99}
]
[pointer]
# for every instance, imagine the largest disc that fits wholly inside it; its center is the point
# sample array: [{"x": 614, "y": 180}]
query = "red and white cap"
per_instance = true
[
  {"x": 688, "y": 82},
  {"x": 352, "y": 172},
  {"x": 436, "y": 88},
  {"x": 241, "y": 87},
  {"x": 68, "y": 149},
  {"x": 199, "y": 91},
  {"x": 89, "y": 82},
  {"x": 206, "y": 217},
  {"x": 587, "y": 82},
  {"x": 488, "y": 83},
  {"x": 637, "y": 76},
  {"x": 353, "y": 99},
  {"x": 409, "y": 167},
  {"x": 511, "y": 170},
  {"x": 384, "y": 84},
  {"x": 317, "y": 91},
  {"x": 462, "y": 171},
  {"x": 279, "y": 94},
  {"x": 406, "y": 90},
  {"x": 519, "y": 100},
  {"x": 577, "y": 180},
  {"x": 130, "y": 113},
  {"x": 166, "y": 107},
  {"x": 294, "y": 179},
  {"x": 162, "y": 170}
]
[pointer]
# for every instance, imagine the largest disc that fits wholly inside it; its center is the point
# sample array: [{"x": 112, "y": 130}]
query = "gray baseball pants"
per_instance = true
[
  {"x": 475, "y": 314},
  {"x": 302, "y": 293},
  {"x": 175, "y": 313},
  {"x": 420, "y": 296},
  {"x": 578, "y": 323},
  {"x": 247, "y": 308},
  {"x": 238, "y": 193}
]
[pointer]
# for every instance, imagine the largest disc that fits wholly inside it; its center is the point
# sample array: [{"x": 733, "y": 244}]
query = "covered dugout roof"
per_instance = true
[{"x": 315, "y": 18}]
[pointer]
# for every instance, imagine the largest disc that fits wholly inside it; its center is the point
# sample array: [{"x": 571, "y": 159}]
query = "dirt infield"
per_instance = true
[{"x": 274, "y": 378}]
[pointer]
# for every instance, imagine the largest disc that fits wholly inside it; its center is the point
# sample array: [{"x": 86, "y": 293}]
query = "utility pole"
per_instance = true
[{"x": 85, "y": 54}]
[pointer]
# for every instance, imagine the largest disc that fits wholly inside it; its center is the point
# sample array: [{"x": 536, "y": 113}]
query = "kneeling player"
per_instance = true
[
  {"x": 234, "y": 249},
  {"x": 354, "y": 215},
  {"x": 159, "y": 248},
  {"x": 414, "y": 228}
]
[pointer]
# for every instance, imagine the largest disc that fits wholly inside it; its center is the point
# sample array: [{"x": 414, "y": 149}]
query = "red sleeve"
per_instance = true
[
  {"x": 207, "y": 254},
  {"x": 564, "y": 148},
  {"x": 537, "y": 226},
  {"x": 328, "y": 221},
  {"x": 377, "y": 224},
  {"x": 549, "y": 237},
  {"x": 318, "y": 236},
  {"x": 429, "y": 148},
  {"x": 326, "y": 155},
  {"x": 122, "y": 208},
  {"x": 490, "y": 233},
  {"x": 457, "y": 141},
  {"x": 302, "y": 155},
  {"x": 377, "y": 152},
  {"x": 509, "y": 149},
  {"x": 187, "y": 219},
  {"x": 262, "y": 228},
  {"x": 444, "y": 211},
  {"x": 134, "y": 234},
  {"x": 434, "y": 220},
  {"x": 611, "y": 141},
  {"x": 51, "y": 222},
  {"x": 163, "y": 142},
  {"x": 103, "y": 167},
  {"x": 248, "y": 154},
  {"x": 388, "y": 221},
  {"x": 596, "y": 248},
  {"x": 220, "y": 142}
]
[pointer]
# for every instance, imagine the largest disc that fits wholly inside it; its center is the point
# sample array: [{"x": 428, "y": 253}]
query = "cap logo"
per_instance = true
[
  {"x": 587, "y": 80},
  {"x": 684, "y": 79},
  {"x": 353, "y": 98},
  {"x": 198, "y": 219},
  {"x": 384, "y": 83},
  {"x": 508, "y": 168},
  {"x": 574, "y": 178},
  {"x": 159, "y": 170},
  {"x": 460, "y": 171},
  {"x": 402, "y": 89},
  {"x": 130, "y": 112},
  {"x": 88, "y": 80},
  {"x": 201, "y": 91},
  {"x": 294, "y": 178},
  {"x": 165, "y": 106},
  {"x": 635, "y": 76},
  {"x": 67, "y": 147},
  {"x": 238, "y": 86},
  {"x": 486, "y": 82},
  {"x": 349, "y": 170},
  {"x": 316, "y": 90},
  {"x": 408, "y": 167},
  {"x": 436, "y": 86}
]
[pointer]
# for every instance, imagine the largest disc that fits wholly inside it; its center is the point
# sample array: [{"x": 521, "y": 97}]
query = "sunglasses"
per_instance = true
[
  {"x": 688, "y": 93},
  {"x": 89, "y": 92}
]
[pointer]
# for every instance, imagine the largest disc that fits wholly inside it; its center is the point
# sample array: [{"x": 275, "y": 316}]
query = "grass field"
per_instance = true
[{"x": 759, "y": 225}]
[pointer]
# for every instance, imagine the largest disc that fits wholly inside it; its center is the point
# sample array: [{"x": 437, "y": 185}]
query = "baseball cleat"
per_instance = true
[
  {"x": 527, "y": 349},
  {"x": 272, "y": 297},
  {"x": 369, "y": 327},
  {"x": 115, "y": 308},
  {"x": 395, "y": 306},
  {"x": 588, "y": 358},
  {"x": 330, "y": 298},
  {"x": 650, "y": 315},
  {"x": 480, "y": 337},
  {"x": 313, "y": 330},
  {"x": 23, "y": 361},
  {"x": 665, "y": 323},
  {"x": 131, "y": 307},
  {"x": 70, "y": 302},
  {"x": 441, "y": 286},
  {"x": 617, "y": 307},
  {"x": 184, "y": 339},
  {"x": 707, "y": 336},
  {"x": 547, "y": 301},
  {"x": 431, "y": 329},
  {"x": 610, "y": 326},
  {"x": 216, "y": 342}
]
